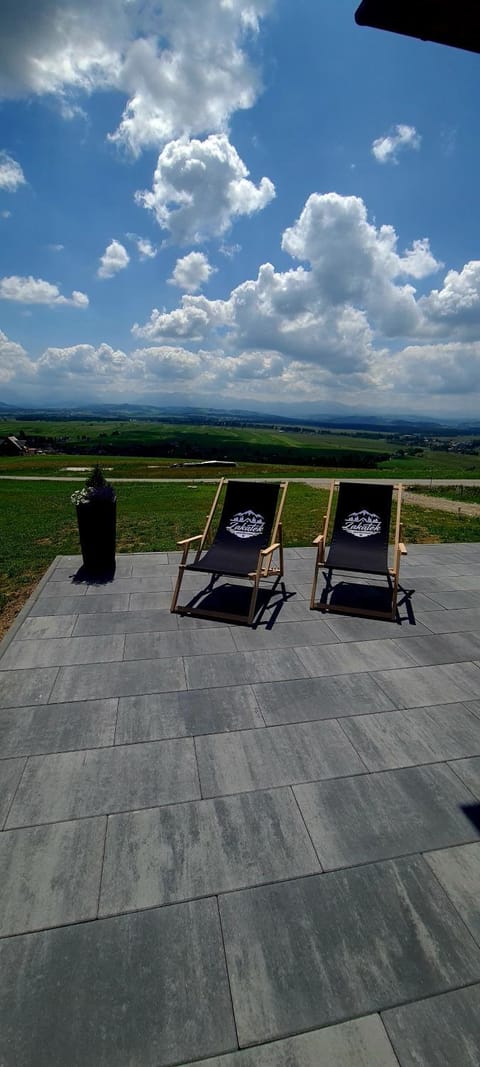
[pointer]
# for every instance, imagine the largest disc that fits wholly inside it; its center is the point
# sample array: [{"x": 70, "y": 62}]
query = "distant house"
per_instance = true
[{"x": 11, "y": 446}]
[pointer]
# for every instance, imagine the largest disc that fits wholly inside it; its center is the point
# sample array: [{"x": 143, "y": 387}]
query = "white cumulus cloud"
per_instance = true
[
  {"x": 453, "y": 311},
  {"x": 191, "y": 272},
  {"x": 386, "y": 149},
  {"x": 14, "y": 361},
  {"x": 201, "y": 187},
  {"x": 115, "y": 258},
  {"x": 37, "y": 291},
  {"x": 11, "y": 173},
  {"x": 102, "y": 363},
  {"x": 182, "y": 67},
  {"x": 145, "y": 248}
]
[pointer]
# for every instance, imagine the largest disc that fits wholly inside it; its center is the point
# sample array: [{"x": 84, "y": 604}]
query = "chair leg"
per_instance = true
[
  {"x": 176, "y": 591},
  {"x": 315, "y": 582},
  {"x": 394, "y": 597},
  {"x": 253, "y": 600}
]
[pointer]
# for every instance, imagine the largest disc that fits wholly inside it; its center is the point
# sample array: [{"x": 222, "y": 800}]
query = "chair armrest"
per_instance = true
[
  {"x": 271, "y": 548},
  {"x": 318, "y": 540},
  {"x": 403, "y": 549},
  {"x": 189, "y": 540}
]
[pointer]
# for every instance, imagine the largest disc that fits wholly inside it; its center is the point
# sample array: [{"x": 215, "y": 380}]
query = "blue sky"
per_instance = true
[{"x": 239, "y": 203}]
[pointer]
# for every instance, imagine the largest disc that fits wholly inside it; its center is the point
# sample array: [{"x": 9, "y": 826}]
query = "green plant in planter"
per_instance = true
[{"x": 96, "y": 506}]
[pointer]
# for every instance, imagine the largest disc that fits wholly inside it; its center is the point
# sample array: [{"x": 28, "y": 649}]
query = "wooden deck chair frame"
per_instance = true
[
  {"x": 392, "y": 573},
  {"x": 264, "y": 569}
]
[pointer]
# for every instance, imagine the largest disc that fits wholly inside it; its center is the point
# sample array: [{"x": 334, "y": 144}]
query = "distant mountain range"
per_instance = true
[{"x": 334, "y": 416}]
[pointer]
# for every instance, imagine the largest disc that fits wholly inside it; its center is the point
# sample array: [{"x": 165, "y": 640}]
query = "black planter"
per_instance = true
[{"x": 97, "y": 529}]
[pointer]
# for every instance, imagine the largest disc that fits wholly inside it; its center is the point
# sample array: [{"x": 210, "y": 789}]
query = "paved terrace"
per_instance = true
[{"x": 218, "y": 839}]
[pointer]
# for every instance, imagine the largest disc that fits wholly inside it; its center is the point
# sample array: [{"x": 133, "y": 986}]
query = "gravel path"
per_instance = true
[{"x": 438, "y": 503}]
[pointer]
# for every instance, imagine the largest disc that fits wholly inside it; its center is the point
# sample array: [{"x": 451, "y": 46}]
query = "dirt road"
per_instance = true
[{"x": 437, "y": 503}]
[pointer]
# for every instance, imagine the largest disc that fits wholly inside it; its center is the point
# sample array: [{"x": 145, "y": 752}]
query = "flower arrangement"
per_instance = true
[{"x": 95, "y": 488}]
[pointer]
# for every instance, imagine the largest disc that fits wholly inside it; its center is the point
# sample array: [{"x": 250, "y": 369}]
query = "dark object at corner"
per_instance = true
[
  {"x": 97, "y": 521},
  {"x": 442, "y": 21}
]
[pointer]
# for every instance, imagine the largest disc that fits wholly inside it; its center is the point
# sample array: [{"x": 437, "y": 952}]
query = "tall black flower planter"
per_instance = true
[{"x": 97, "y": 529}]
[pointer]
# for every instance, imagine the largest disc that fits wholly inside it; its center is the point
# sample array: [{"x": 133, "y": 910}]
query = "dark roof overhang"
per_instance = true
[{"x": 451, "y": 22}]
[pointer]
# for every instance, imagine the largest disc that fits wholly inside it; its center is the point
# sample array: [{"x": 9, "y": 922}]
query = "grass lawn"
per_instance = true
[{"x": 38, "y": 522}]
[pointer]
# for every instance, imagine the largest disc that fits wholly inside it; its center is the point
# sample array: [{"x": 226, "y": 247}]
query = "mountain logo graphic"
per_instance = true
[
  {"x": 246, "y": 524},
  {"x": 362, "y": 524}
]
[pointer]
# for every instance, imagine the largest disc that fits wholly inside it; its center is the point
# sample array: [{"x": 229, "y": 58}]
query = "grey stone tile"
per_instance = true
[
  {"x": 180, "y": 643},
  {"x": 10, "y": 774},
  {"x": 71, "y": 605},
  {"x": 150, "y": 601},
  {"x": 47, "y": 626},
  {"x": 445, "y": 622},
  {"x": 351, "y": 629},
  {"x": 292, "y": 610},
  {"x": 154, "y": 583},
  {"x": 149, "y": 989},
  {"x": 458, "y": 871},
  {"x": 124, "y": 622},
  {"x": 413, "y": 687},
  {"x": 420, "y": 601},
  {"x": 469, "y": 771},
  {"x": 473, "y": 705},
  {"x": 57, "y": 651},
  {"x": 142, "y": 568},
  {"x": 302, "y": 587},
  {"x": 428, "y": 583},
  {"x": 278, "y": 755},
  {"x": 325, "y": 948},
  {"x": 354, "y": 657},
  {"x": 149, "y": 559},
  {"x": 419, "y": 735},
  {"x": 123, "y": 569},
  {"x": 50, "y": 875},
  {"x": 196, "y": 711},
  {"x": 284, "y": 635},
  {"x": 57, "y": 727},
  {"x": 358, "y": 1043},
  {"x": 174, "y": 853},
  {"x": 456, "y": 598},
  {"x": 442, "y": 1031},
  {"x": 443, "y": 648},
  {"x": 378, "y": 816},
  {"x": 73, "y": 785},
  {"x": 237, "y": 667},
  {"x": 21, "y": 688},
  {"x": 68, "y": 588},
  {"x": 320, "y": 698},
  {"x": 466, "y": 581},
  {"x": 118, "y": 679},
  {"x": 69, "y": 561}
]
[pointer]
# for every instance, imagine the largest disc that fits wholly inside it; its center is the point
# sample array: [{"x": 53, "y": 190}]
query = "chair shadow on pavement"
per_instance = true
[
  {"x": 352, "y": 598},
  {"x": 235, "y": 598}
]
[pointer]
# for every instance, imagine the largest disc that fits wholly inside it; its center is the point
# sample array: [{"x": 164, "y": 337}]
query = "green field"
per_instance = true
[
  {"x": 151, "y": 449},
  {"x": 38, "y": 522}
]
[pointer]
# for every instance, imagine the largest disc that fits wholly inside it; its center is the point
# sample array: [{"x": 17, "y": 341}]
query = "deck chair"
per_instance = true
[
  {"x": 248, "y": 534},
  {"x": 359, "y": 543}
]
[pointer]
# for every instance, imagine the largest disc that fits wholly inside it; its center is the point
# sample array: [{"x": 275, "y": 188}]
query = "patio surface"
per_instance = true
[{"x": 247, "y": 847}]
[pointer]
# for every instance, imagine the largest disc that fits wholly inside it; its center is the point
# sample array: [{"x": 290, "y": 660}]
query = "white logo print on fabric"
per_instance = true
[
  {"x": 246, "y": 524},
  {"x": 362, "y": 524}
]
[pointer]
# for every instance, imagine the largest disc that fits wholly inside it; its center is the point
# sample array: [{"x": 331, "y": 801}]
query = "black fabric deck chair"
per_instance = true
[
  {"x": 360, "y": 543},
  {"x": 248, "y": 533}
]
